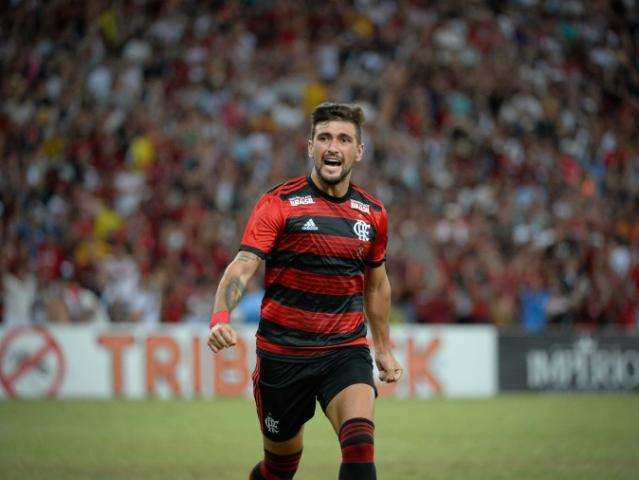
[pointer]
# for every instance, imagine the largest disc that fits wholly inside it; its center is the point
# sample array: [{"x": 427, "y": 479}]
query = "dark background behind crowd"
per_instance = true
[{"x": 503, "y": 137}]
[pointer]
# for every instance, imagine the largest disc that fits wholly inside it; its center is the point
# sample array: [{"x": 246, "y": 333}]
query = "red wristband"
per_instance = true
[{"x": 219, "y": 317}]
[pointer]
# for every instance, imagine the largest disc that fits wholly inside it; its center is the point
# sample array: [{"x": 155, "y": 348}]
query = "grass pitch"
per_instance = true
[{"x": 508, "y": 437}]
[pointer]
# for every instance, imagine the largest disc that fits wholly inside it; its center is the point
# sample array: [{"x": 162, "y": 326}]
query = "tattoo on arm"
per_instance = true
[
  {"x": 234, "y": 284},
  {"x": 233, "y": 292},
  {"x": 246, "y": 257}
]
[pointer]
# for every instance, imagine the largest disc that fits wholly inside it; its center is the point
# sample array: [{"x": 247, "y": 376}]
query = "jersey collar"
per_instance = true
[{"x": 325, "y": 195}]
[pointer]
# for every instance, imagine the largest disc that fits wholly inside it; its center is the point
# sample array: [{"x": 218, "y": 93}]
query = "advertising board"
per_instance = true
[
  {"x": 562, "y": 363},
  {"x": 135, "y": 362}
]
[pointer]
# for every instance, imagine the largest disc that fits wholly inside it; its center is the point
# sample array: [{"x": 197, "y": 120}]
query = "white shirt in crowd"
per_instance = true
[{"x": 19, "y": 297}]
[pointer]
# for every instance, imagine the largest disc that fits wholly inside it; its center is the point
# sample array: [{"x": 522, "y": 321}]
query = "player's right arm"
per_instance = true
[
  {"x": 228, "y": 295},
  {"x": 261, "y": 232}
]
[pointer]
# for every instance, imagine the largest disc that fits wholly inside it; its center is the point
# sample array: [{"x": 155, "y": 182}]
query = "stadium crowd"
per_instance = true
[{"x": 502, "y": 136}]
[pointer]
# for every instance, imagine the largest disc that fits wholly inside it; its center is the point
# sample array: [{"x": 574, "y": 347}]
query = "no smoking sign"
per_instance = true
[{"x": 31, "y": 363}]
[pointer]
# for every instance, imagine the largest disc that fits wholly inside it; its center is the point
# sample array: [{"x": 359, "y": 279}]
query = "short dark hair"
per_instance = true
[{"x": 346, "y": 112}]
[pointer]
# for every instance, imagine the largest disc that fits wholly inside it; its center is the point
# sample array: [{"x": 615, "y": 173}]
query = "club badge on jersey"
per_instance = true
[{"x": 362, "y": 230}]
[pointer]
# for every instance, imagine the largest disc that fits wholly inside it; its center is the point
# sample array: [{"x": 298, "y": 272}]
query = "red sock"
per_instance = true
[
  {"x": 356, "y": 437},
  {"x": 276, "y": 467}
]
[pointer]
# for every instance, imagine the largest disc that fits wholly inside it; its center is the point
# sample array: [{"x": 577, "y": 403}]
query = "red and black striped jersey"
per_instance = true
[{"x": 316, "y": 249}]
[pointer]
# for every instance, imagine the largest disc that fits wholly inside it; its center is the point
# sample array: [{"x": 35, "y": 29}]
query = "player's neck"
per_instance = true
[{"x": 337, "y": 190}]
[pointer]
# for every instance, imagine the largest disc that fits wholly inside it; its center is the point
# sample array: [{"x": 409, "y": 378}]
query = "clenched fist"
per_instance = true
[{"x": 221, "y": 336}]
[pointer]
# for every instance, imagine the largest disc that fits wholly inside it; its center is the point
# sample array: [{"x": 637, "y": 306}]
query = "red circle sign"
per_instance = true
[{"x": 31, "y": 357}]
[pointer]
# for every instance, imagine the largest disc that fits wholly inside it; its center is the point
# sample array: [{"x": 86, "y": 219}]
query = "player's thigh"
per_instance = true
[
  {"x": 354, "y": 401},
  {"x": 348, "y": 388}
]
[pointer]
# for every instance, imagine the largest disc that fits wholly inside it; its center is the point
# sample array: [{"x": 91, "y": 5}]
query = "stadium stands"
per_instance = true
[{"x": 503, "y": 137}]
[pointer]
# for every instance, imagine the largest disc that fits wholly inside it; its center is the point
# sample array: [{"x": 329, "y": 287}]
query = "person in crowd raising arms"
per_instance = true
[{"x": 324, "y": 240}]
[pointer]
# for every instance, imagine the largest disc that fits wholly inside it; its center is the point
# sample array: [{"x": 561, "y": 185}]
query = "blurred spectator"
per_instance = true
[
  {"x": 502, "y": 137},
  {"x": 20, "y": 288},
  {"x": 534, "y": 301},
  {"x": 146, "y": 303},
  {"x": 66, "y": 302}
]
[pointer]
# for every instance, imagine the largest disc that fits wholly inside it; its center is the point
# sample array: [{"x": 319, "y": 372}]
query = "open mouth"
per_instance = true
[{"x": 332, "y": 162}]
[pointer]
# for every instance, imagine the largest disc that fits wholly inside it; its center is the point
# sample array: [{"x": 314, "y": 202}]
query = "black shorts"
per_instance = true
[{"x": 285, "y": 392}]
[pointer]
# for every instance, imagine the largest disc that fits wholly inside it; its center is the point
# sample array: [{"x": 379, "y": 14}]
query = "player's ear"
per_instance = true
[
  {"x": 360, "y": 152},
  {"x": 310, "y": 148}
]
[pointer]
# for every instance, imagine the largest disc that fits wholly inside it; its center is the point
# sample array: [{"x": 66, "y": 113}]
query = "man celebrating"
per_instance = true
[{"x": 324, "y": 242}]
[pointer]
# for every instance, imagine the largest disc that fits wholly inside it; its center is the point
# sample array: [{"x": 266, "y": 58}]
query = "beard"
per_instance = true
[{"x": 331, "y": 180}]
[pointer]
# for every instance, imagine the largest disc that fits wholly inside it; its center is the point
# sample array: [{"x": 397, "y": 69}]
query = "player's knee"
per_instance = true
[
  {"x": 276, "y": 467},
  {"x": 356, "y": 438}
]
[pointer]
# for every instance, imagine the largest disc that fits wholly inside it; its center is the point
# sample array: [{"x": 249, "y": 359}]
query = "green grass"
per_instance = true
[{"x": 509, "y": 437}]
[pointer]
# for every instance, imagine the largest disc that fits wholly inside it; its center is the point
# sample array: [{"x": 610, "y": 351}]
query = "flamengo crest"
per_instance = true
[
  {"x": 362, "y": 230},
  {"x": 271, "y": 424}
]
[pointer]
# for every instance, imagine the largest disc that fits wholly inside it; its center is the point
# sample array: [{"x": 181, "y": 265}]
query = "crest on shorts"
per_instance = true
[{"x": 271, "y": 424}]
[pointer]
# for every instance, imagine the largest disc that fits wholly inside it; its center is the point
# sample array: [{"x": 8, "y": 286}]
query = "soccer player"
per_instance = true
[{"x": 324, "y": 242}]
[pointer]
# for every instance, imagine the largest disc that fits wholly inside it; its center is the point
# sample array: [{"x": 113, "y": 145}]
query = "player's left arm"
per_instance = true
[{"x": 377, "y": 302}]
